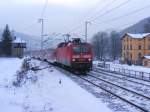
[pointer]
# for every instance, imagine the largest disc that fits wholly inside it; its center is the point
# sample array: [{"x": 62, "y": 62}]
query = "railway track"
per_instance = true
[
  {"x": 132, "y": 94},
  {"x": 143, "y": 83},
  {"x": 112, "y": 83},
  {"x": 122, "y": 75},
  {"x": 128, "y": 96},
  {"x": 134, "y": 86},
  {"x": 130, "y": 100}
]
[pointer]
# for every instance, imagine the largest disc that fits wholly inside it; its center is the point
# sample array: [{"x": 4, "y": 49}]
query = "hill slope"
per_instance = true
[{"x": 138, "y": 27}]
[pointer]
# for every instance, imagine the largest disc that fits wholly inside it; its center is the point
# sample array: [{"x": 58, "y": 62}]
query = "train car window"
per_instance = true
[
  {"x": 84, "y": 49},
  {"x": 81, "y": 49},
  {"x": 76, "y": 50}
]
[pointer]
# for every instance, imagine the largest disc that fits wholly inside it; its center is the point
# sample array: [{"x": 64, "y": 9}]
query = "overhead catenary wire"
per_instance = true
[
  {"x": 122, "y": 16},
  {"x": 29, "y": 26},
  {"x": 80, "y": 26},
  {"x": 76, "y": 28},
  {"x": 105, "y": 6},
  {"x": 42, "y": 14},
  {"x": 125, "y": 25},
  {"x": 41, "y": 20},
  {"x": 125, "y": 15},
  {"x": 105, "y": 13},
  {"x": 119, "y": 27},
  {"x": 44, "y": 8},
  {"x": 112, "y": 9}
]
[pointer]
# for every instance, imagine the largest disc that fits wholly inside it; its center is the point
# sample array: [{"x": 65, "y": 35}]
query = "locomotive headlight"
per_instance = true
[
  {"x": 90, "y": 59},
  {"x": 73, "y": 59}
]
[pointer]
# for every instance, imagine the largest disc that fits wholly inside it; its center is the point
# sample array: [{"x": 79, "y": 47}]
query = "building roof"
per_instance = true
[
  {"x": 18, "y": 40},
  {"x": 138, "y": 36},
  {"x": 147, "y": 57}
]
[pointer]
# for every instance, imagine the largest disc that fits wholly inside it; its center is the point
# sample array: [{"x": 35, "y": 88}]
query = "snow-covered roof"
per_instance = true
[
  {"x": 147, "y": 57},
  {"x": 19, "y": 40},
  {"x": 138, "y": 36}
]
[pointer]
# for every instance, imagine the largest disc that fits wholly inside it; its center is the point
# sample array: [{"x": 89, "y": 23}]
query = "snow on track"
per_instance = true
[
  {"x": 103, "y": 71},
  {"x": 139, "y": 88}
]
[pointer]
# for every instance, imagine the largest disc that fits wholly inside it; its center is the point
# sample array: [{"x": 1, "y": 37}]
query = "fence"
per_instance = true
[{"x": 125, "y": 72}]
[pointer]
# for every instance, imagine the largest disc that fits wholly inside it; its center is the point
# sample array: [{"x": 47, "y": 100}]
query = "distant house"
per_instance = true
[
  {"x": 18, "y": 46},
  {"x": 146, "y": 61},
  {"x": 135, "y": 47}
]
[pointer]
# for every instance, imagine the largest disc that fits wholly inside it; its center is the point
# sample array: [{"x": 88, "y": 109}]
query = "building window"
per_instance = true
[
  {"x": 127, "y": 55},
  {"x": 145, "y": 63},
  {"x": 140, "y": 47},
  {"x": 131, "y": 56},
  {"x": 139, "y": 55},
  {"x": 124, "y": 47},
  {"x": 127, "y": 47},
  {"x": 149, "y": 47},
  {"x": 130, "y": 47}
]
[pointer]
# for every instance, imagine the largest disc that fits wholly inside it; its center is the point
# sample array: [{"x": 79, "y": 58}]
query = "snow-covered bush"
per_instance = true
[{"x": 26, "y": 73}]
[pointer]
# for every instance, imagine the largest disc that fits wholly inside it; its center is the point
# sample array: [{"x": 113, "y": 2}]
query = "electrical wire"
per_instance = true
[
  {"x": 29, "y": 27},
  {"x": 111, "y": 10},
  {"x": 105, "y": 13},
  {"x": 44, "y": 8},
  {"x": 103, "y": 8},
  {"x": 125, "y": 15},
  {"x": 42, "y": 14},
  {"x": 122, "y": 16},
  {"x": 80, "y": 26}
]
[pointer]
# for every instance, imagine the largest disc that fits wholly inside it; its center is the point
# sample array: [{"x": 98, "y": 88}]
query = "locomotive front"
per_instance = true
[{"x": 81, "y": 56}]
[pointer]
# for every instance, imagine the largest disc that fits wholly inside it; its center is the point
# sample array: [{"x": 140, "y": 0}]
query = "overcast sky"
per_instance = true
[{"x": 61, "y": 16}]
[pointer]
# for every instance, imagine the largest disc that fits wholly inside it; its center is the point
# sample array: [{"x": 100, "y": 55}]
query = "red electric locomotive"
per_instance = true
[{"x": 75, "y": 55}]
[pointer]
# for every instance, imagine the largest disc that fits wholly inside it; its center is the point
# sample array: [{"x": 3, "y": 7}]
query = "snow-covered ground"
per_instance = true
[
  {"x": 8, "y": 67},
  {"x": 51, "y": 92},
  {"x": 125, "y": 66},
  {"x": 140, "y": 72}
]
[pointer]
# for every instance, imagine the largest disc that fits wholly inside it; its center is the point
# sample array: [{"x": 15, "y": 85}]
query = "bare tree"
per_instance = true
[
  {"x": 6, "y": 41},
  {"x": 100, "y": 44},
  {"x": 115, "y": 45}
]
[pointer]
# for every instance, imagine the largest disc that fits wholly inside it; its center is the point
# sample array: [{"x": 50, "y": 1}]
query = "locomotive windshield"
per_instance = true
[{"x": 80, "y": 49}]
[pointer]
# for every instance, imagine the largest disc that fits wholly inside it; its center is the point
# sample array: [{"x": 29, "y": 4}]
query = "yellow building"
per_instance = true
[{"x": 135, "y": 47}]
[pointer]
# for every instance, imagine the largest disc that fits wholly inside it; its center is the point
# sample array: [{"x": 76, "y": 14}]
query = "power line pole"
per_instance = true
[
  {"x": 41, "y": 20},
  {"x": 67, "y": 37},
  {"x": 86, "y": 29}
]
